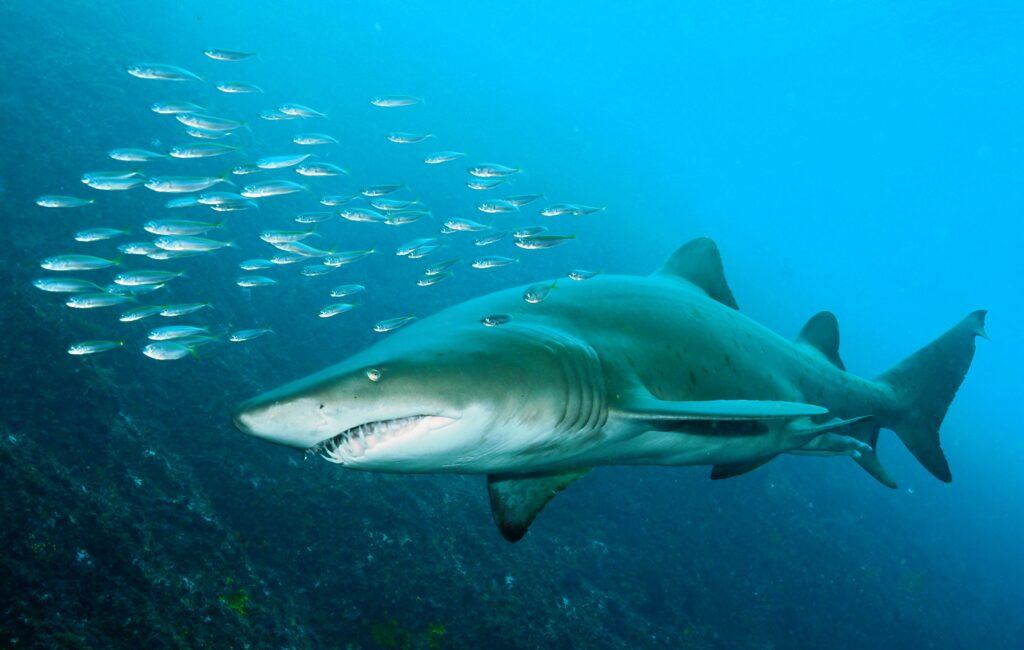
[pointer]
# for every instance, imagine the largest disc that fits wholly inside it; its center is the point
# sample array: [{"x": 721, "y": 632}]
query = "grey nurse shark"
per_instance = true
[{"x": 615, "y": 370}]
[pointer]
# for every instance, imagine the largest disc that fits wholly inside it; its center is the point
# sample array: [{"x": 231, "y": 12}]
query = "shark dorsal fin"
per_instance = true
[
  {"x": 822, "y": 333},
  {"x": 517, "y": 498},
  {"x": 699, "y": 263}
]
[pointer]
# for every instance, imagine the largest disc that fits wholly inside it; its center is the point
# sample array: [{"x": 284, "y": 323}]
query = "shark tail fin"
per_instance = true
[{"x": 924, "y": 385}]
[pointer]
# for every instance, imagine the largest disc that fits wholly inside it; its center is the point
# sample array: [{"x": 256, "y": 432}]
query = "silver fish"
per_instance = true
[
  {"x": 581, "y": 274},
  {"x": 320, "y": 169},
  {"x": 250, "y": 281},
  {"x": 493, "y": 262},
  {"x": 95, "y": 300},
  {"x": 93, "y": 347},
  {"x": 161, "y": 71},
  {"x": 465, "y": 225},
  {"x": 347, "y": 257},
  {"x": 363, "y": 215},
  {"x": 334, "y": 200},
  {"x": 179, "y": 227},
  {"x": 274, "y": 115},
  {"x": 283, "y": 236},
  {"x": 115, "y": 184},
  {"x": 401, "y": 137},
  {"x": 271, "y": 188},
  {"x": 380, "y": 190},
  {"x": 172, "y": 255},
  {"x": 402, "y": 217},
  {"x": 492, "y": 170},
  {"x": 443, "y": 157},
  {"x": 99, "y": 234},
  {"x": 335, "y": 309},
  {"x": 312, "y": 139},
  {"x": 137, "y": 248},
  {"x": 300, "y": 248},
  {"x": 540, "y": 242},
  {"x": 60, "y": 201},
  {"x": 315, "y": 270},
  {"x": 203, "y": 134},
  {"x": 440, "y": 267},
  {"x": 281, "y": 161},
  {"x": 255, "y": 265},
  {"x": 138, "y": 278},
  {"x": 182, "y": 202},
  {"x": 76, "y": 263},
  {"x": 66, "y": 285},
  {"x": 410, "y": 246},
  {"x": 190, "y": 243},
  {"x": 182, "y": 309},
  {"x": 90, "y": 177},
  {"x": 219, "y": 198},
  {"x": 228, "y": 55},
  {"x": 519, "y": 200},
  {"x": 313, "y": 217},
  {"x": 170, "y": 332},
  {"x": 173, "y": 108},
  {"x": 138, "y": 313},
  {"x": 240, "y": 336},
  {"x": 183, "y": 184},
  {"x": 529, "y": 232},
  {"x": 209, "y": 122},
  {"x": 135, "y": 155},
  {"x": 237, "y": 87},
  {"x": 497, "y": 206},
  {"x": 537, "y": 292},
  {"x": 388, "y": 205},
  {"x": 392, "y": 323},
  {"x": 245, "y": 169},
  {"x": 203, "y": 150},
  {"x": 431, "y": 280},
  {"x": 282, "y": 259},
  {"x": 395, "y": 101},
  {"x": 485, "y": 183},
  {"x": 167, "y": 350},
  {"x": 494, "y": 320},
  {"x": 492, "y": 238},
  {"x": 344, "y": 290},
  {"x": 298, "y": 110}
]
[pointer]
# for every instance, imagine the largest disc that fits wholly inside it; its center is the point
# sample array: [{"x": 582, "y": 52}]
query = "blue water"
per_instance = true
[{"x": 859, "y": 157}]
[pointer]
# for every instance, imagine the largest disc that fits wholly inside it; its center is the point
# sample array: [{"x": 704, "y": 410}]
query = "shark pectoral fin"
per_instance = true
[
  {"x": 719, "y": 472},
  {"x": 641, "y": 405},
  {"x": 516, "y": 499}
]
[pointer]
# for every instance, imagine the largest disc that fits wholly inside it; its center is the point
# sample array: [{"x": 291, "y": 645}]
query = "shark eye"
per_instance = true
[{"x": 373, "y": 374}]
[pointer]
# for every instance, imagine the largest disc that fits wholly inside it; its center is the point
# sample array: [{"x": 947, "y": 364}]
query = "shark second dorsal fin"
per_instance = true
[
  {"x": 517, "y": 498},
  {"x": 822, "y": 333},
  {"x": 699, "y": 263}
]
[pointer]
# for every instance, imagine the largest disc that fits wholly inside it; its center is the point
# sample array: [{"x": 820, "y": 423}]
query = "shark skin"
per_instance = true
[{"x": 615, "y": 370}]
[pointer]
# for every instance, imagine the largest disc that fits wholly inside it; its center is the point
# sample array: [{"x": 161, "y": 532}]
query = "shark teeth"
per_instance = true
[{"x": 355, "y": 442}]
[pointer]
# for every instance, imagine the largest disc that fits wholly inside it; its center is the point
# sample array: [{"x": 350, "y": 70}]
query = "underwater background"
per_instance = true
[{"x": 861, "y": 157}]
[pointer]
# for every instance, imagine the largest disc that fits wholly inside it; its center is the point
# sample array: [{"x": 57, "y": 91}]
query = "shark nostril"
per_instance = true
[{"x": 321, "y": 406}]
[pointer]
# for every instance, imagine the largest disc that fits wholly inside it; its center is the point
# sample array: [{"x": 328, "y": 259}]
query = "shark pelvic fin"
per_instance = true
[
  {"x": 822, "y": 333},
  {"x": 642, "y": 405},
  {"x": 699, "y": 263},
  {"x": 719, "y": 472},
  {"x": 516, "y": 499}
]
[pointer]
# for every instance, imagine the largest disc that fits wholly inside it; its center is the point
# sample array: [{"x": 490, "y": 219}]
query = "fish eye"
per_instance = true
[{"x": 373, "y": 374}]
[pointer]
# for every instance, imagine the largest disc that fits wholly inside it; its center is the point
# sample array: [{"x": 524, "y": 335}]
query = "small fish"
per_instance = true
[
  {"x": 120, "y": 290},
  {"x": 493, "y": 262},
  {"x": 167, "y": 350},
  {"x": 344, "y": 290},
  {"x": 335, "y": 200},
  {"x": 581, "y": 274},
  {"x": 362, "y": 215},
  {"x": 282, "y": 259},
  {"x": 138, "y": 278},
  {"x": 99, "y": 234},
  {"x": 465, "y": 225},
  {"x": 179, "y": 227},
  {"x": 410, "y": 246},
  {"x": 274, "y": 115},
  {"x": 281, "y": 161},
  {"x": 498, "y": 206},
  {"x": 485, "y": 183},
  {"x": 237, "y": 88},
  {"x": 245, "y": 169},
  {"x": 271, "y": 188},
  {"x": 202, "y": 150},
  {"x": 66, "y": 285},
  {"x": 138, "y": 313},
  {"x": 300, "y": 248},
  {"x": 347, "y": 257},
  {"x": 76, "y": 263},
  {"x": 209, "y": 122},
  {"x": 219, "y": 198},
  {"x": 320, "y": 169},
  {"x": 282, "y": 236},
  {"x": 519, "y": 200},
  {"x": 135, "y": 155},
  {"x": 93, "y": 347},
  {"x": 174, "y": 108},
  {"x": 255, "y": 265},
  {"x": 537, "y": 292},
  {"x": 182, "y": 309},
  {"x": 203, "y": 134},
  {"x": 115, "y": 184},
  {"x": 403, "y": 217},
  {"x": 335, "y": 309},
  {"x": 440, "y": 267},
  {"x": 529, "y": 232},
  {"x": 170, "y": 332},
  {"x": 395, "y": 101},
  {"x": 315, "y": 270},
  {"x": 313, "y": 217},
  {"x": 234, "y": 206},
  {"x": 162, "y": 72},
  {"x": 388, "y": 205},
  {"x": 400, "y": 137},
  {"x": 495, "y": 319},
  {"x": 581, "y": 210},
  {"x": 183, "y": 184},
  {"x": 539, "y": 242},
  {"x": 443, "y": 157},
  {"x": 312, "y": 139},
  {"x": 190, "y": 243},
  {"x": 559, "y": 209},
  {"x": 94, "y": 300},
  {"x": 298, "y": 110},
  {"x": 182, "y": 202},
  {"x": 374, "y": 191},
  {"x": 137, "y": 248},
  {"x": 91, "y": 177},
  {"x": 240, "y": 336},
  {"x": 492, "y": 170},
  {"x": 392, "y": 323},
  {"x": 251, "y": 281},
  {"x": 60, "y": 201},
  {"x": 228, "y": 55},
  {"x": 492, "y": 238},
  {"x": 431, "y": 280}
]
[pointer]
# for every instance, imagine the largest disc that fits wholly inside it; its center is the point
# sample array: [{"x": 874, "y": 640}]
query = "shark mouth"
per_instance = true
[{"x": 355, "y": 442}]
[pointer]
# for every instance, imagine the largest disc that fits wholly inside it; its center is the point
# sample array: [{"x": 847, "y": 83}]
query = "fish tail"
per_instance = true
[{"x": 923, "y": 386}]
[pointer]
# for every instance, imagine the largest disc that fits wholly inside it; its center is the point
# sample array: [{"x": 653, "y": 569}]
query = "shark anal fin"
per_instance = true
[
  {"x": 719, "y": 472},
  {"x": 822, "y": 333},
  {"x": 516, "y": 499},
  {"x": 699, "y": 263}
]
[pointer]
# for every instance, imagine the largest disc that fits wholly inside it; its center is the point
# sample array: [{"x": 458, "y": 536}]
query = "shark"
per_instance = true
[{"x": 661, "y": 369}]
